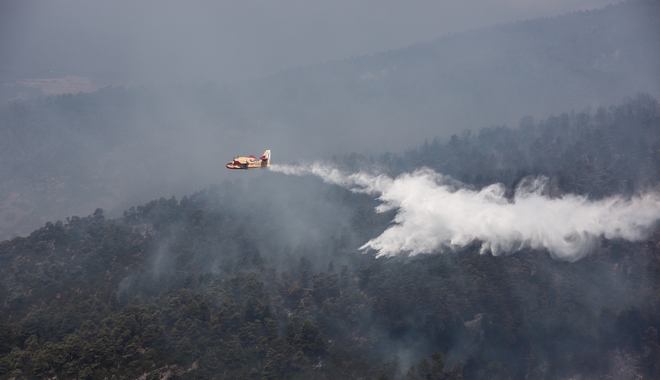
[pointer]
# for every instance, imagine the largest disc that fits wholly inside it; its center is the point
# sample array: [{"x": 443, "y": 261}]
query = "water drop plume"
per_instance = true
[{"x": 436, "y": 213}]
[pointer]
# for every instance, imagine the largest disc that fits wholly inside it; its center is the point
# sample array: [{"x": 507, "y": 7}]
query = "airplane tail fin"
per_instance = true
[{"x": 266, "y": 156}]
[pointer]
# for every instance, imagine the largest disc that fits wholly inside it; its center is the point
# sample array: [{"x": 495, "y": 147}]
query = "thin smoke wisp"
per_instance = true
[{"x": 436, "y": 213}]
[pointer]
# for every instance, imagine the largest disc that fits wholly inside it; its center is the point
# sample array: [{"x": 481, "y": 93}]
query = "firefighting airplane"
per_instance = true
[{"x": 251, "y": 162}]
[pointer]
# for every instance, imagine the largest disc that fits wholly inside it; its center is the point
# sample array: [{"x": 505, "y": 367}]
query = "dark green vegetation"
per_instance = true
[
  {"x": 615, "y": 150},
  {"x": 233, "y": 283}
]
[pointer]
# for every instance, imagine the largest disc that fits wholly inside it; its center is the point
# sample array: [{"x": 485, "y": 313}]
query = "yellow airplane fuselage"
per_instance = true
[
  {"x": 251, "y": 162},
  {"x": 246, "y": 163}
]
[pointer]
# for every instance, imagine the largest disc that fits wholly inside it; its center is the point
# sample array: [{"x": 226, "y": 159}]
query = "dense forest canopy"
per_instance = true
[{"x": 230, "y": 283}]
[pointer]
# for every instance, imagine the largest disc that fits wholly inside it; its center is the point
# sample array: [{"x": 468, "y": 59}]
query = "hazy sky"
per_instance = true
[{"x": 227, "y": 41}]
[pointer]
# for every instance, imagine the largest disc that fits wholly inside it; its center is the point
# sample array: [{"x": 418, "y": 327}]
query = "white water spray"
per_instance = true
[{"x": 436, "y": 215}]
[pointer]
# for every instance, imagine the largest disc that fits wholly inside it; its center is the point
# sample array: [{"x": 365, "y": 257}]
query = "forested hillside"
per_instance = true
[
  {"x": 238, "y": 282},
  {"x": 614, "y": 150}
]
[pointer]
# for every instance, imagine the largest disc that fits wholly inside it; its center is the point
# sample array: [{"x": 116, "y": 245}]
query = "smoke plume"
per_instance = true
[{"x": 437, "y": 213}]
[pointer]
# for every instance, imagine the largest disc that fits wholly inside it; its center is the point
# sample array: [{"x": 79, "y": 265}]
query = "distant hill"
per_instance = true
[
  {"x": 69, "y": 154},
  {"x": 490, "y": 76}
]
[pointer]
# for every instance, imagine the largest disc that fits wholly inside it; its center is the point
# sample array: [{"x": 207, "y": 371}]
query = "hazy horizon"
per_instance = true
[
  {"x": 225, "y": 42},
  {"x": 342, "y": 77}
]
